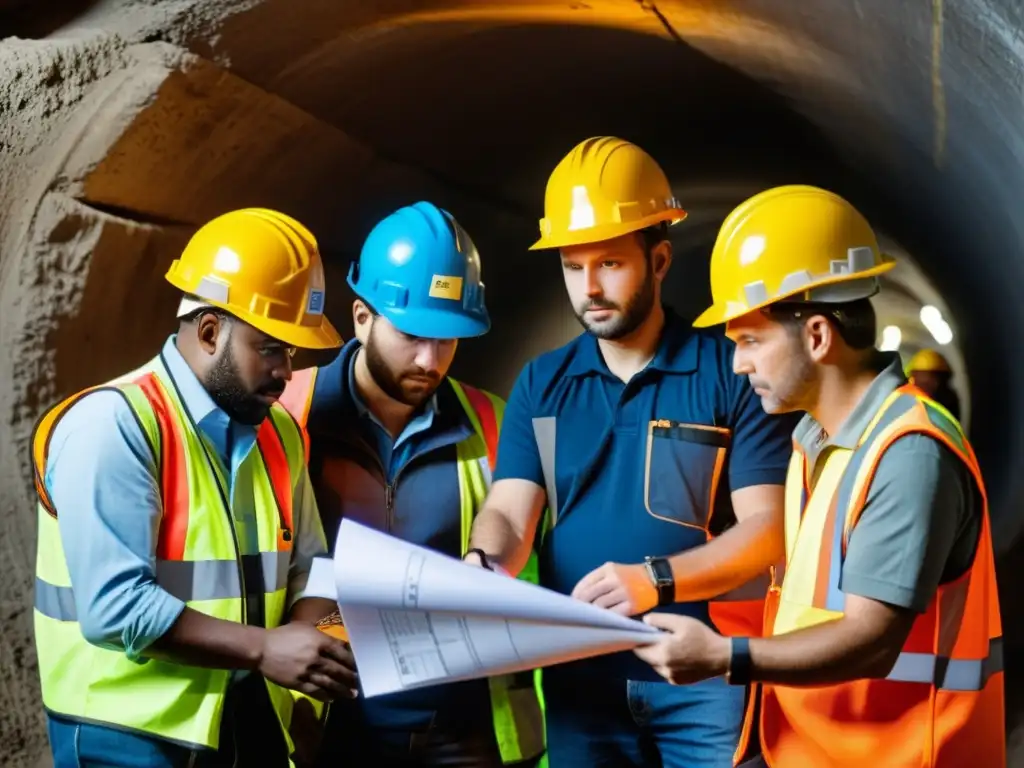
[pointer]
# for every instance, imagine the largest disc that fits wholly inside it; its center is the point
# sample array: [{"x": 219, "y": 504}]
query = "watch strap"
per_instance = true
[
  {"x": 660, "y": 571},
  {"x": 739, "y": 662},
  {"x": 483, "y": 557}
]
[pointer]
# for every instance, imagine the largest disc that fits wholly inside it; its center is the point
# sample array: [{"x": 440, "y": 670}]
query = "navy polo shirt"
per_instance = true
[{"x": 638, "y": 468}]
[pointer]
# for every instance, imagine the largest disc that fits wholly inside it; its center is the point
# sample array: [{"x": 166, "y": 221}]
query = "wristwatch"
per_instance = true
[
  {"x": 739, "y": 662},
  {"x": 660, "y": 571},
  {"x": 482, "y": 555}
]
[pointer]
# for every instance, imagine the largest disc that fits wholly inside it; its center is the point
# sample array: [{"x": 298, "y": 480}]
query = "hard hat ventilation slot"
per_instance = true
[{"x": 755, "y": 293}]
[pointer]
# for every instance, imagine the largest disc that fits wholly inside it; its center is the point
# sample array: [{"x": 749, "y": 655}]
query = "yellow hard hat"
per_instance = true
[
  {"x": 263, "y": 267},
  {"x": 792, "y": 242},
  {"x": 605, "y": 187},
  {"x": 928, "y": 360}
]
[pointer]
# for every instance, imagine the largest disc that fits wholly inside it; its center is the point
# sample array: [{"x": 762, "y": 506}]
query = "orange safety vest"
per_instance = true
[{"x": 941, "y": 705}]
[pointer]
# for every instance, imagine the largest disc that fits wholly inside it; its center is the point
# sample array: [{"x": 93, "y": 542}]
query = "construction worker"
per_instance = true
[
  {"x": 177, "y": 525},
  {"x": 661, "y": 477},
  {"x": 886, "y": 648},
  {"x": 929, "y": 371},
  {"x": 397, "y": 444}
]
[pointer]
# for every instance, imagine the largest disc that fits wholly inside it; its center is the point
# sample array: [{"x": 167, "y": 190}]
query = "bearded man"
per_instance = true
[
  {"x": 661, "y": 476},
  {"x": 397, "y": 445}
]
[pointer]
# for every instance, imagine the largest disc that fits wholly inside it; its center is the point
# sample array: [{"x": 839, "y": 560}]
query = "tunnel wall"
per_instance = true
[{"x": 136, "y": 121}]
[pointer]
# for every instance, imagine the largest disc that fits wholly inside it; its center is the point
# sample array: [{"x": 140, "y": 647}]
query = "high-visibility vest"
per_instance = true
[
  {"x": 197, "y": 560},
  {"x": 941, "y": 706},
  {"x": 516, "y": 701}
]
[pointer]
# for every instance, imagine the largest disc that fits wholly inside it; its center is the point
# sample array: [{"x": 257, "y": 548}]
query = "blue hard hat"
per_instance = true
[{"x": 420, "y": 270}]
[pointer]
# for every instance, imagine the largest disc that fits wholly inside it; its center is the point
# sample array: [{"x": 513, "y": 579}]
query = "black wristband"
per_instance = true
[
  {"x": 483, "y": 557},
  {"x": 660, "y": 571},
  {"x": 739, "y": 662}
]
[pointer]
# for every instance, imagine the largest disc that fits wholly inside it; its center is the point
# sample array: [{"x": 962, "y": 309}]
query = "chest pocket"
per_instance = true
[{"x": 682, "y": 469}]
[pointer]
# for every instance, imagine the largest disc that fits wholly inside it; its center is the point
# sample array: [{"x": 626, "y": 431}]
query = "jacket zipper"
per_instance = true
[{"x": 389, "y": 487}]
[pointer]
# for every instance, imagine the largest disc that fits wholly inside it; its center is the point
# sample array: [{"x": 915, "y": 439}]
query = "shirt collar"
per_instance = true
[
  {"x": 678, "y": 350},
  {"x": 809, "y": 432}
]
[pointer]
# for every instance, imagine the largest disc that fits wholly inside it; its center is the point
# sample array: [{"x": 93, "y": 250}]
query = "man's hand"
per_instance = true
[
  {"x": 624, "y": 589},
  {"x": 301, "y": 657},
  {"x": 688, "y": 651}
]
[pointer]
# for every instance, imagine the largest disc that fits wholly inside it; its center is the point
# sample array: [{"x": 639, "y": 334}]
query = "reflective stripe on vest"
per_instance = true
[
  {"x": 518, "y": 718},
  {"x": 196, "y": 561},
  {"x": 942, "y": 703}
]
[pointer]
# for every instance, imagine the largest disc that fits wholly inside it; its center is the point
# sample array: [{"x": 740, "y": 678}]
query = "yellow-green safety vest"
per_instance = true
[{"x": 197, "y": 560}]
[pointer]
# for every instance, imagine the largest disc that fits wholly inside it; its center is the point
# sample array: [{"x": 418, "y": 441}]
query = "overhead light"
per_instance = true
[
  {"x": 932, "y": 319},
  {"x": 891, "y": 338}
]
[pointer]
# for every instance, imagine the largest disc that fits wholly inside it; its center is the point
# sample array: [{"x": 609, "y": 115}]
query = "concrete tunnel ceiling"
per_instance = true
[{"x": 129, "y": 123}]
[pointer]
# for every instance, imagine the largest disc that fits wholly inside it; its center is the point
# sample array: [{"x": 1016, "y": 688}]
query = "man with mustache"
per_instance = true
[
  {"x": 397, "y": 444},
  {"x": 642, "y": 469},
  {"x": 177, "y": 525},
  {"x": 884, "y": 643}
]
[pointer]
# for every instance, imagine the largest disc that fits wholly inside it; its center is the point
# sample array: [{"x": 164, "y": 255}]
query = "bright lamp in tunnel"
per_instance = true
[
  {"x": 891, "y": 338},
  {"x": 932, "y": 319}
]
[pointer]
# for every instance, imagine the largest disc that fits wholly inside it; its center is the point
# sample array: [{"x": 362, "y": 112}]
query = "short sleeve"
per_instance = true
[
  {"x": 761, "y": 443},
  {"x": 518, "y": 454},
  {"x": 918, "y": 506}
]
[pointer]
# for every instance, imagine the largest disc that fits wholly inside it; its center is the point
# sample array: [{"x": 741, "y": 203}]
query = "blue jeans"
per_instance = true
[
  {"x": 250, "y": 734},
  {"x": 615, "y": 723},
  {"x": 83, "y": 745}
]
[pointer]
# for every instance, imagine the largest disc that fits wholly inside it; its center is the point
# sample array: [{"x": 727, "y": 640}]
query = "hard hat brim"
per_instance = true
[
  {"x": 323, "y": 336},
  {"x": 428, "y": 323},
  {"x": 724, "y": 311},
  {"x": 604, "y": 232}
]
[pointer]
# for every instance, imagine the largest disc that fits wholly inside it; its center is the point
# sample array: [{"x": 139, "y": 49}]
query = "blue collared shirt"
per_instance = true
[
  {"x": 639, "y": 468},
  {"x": 105, "y": 486}
]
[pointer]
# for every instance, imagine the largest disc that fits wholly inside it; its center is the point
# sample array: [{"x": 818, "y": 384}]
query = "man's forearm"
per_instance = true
[
  {"x": 826, "y": 654},
  {"x": 311, "y": 609},
  {"x": 198, "y": 640},
  {"x": 495, "y": 534},
  {"x": 742, "y": 553}
]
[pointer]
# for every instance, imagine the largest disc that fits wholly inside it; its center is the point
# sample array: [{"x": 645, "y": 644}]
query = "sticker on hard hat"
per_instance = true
[
  {"x": 315, "y": 304},
  {"x": 446, "y": 287}
]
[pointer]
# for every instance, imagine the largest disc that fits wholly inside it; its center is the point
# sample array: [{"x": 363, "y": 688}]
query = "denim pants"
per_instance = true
[
  {"x": 85, "y": 745},
  {"x": 250, "y": 734},
  {"x": 616, "y": 723}
]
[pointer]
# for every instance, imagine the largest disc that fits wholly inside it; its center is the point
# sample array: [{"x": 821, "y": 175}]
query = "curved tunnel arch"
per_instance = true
[{"x": 132, "y": 123}]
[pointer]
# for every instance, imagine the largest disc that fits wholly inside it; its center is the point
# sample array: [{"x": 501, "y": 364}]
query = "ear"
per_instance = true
[
  {"x": 208, "y": 332},
  {"x": 362, "y": 319},
  {"x": 661, "y": 258},
  {"x": 820, "y": 337}
]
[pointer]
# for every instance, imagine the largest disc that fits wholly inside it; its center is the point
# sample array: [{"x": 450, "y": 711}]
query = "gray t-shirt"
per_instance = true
[{"x": 920, "y": 523}]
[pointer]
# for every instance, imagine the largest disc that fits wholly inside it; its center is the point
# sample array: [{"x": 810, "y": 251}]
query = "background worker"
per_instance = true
[
  {"x": 886, "y": 649},
  {"x": 929, "y": 371},
  {"x": 398, "y": 445},
  {"x": 641, "y": 443},
  {"x": 177, "y": 525}
]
